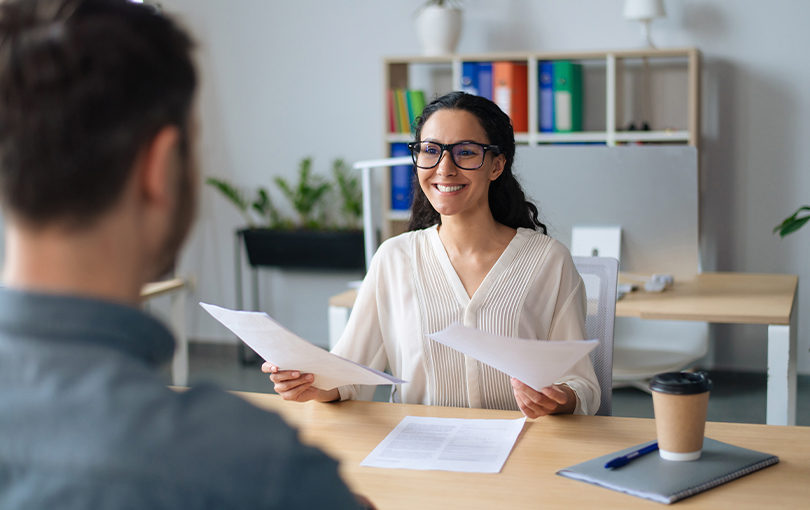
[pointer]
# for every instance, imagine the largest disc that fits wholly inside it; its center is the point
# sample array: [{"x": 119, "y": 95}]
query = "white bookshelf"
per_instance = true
[{"x": 612, "y": 83}]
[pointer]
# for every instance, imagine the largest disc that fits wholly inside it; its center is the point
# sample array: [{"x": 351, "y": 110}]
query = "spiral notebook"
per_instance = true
[{"x": 664, "y": 481}]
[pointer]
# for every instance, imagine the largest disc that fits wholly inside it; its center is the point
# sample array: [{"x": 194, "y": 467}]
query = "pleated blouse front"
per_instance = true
[{"x": 412, "y": 290}]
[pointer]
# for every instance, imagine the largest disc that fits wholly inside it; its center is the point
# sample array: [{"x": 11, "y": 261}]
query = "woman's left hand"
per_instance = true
[{"x": 555, "y": 399}]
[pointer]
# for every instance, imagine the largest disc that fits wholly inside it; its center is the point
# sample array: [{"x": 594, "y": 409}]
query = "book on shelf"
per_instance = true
[
  {"x": 567, "y": 80},
  {"x": 393, "y": 115},
  {"x": 469, "y": 78},
  {"x": 404, "y": 106},
  {"x": 401, "y": 179},
  {"x": 485, "y": 80},
  {"x": 510, "y": 92},
  {"x": 545, "y": 80}
]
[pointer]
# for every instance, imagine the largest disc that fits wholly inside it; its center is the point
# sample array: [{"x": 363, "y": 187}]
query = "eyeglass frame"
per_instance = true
[{"x": 448, "y": 147}]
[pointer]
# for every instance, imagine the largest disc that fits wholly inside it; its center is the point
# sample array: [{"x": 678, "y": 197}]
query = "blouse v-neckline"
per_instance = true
[{"x": 497, "y": 269}]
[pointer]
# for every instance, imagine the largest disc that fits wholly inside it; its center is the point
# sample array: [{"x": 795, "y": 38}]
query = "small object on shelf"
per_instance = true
[
  {"x": 438, "y": 26},
  {"x": 567, "y": 96},
  {"x": 644, "y": 11},
  {"x": 510, "y": 89}
]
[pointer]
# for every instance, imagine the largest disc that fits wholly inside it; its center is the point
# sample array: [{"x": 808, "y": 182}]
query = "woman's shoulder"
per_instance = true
[
  {"x": 550, "y": 252},
  {"x": 401, "y": 243}
]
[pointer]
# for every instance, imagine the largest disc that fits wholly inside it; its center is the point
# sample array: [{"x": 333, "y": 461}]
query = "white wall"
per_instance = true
[{"x": 283, "y": 80}]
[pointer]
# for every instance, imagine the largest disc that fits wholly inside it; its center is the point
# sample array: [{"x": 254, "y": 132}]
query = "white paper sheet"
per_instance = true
[
  {"x": 537, "y": 363},
  {"x": 288, "y": 351},
  {"x": 447, "y": 444}
]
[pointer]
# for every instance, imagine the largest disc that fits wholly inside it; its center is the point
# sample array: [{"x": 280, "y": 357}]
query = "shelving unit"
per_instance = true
[{"x": 664, "y": 82}]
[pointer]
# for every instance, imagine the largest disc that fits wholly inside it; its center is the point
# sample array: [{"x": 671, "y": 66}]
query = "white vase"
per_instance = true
[{"x": 438, "y": 29}]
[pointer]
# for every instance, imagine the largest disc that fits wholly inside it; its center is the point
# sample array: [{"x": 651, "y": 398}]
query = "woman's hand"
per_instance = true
[
  {"x": 293, "y": 385},
  {"x": 555, "y": 399}
]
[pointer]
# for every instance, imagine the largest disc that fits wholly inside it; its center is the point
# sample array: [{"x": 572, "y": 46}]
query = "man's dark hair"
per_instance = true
[{"x": 84, "y": 85}]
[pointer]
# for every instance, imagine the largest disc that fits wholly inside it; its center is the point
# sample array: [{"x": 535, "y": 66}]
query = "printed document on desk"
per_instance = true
[
  {"x": 538, "y": 363},
  {"x": 447, "y": 444},
  {"x": 283, "y": 348}
]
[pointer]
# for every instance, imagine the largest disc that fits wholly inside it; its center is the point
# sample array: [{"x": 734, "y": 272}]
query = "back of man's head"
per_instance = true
[{"x": 84, "y": 85}]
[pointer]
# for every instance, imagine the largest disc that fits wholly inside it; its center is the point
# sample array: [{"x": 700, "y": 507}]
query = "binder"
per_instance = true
[
  {"x": 664, "y": 481},
  {"x": 417, "y": 102},
  {"x": 469, "y": 78},
  {"x": 545, "y": 79},
  {"x": 393, "y": 124},
  {"x": 402, "y": 107},
  {"x": 401, "y": 179},
  {"x": 567, "y": 96},
  {"x": 485, "y": 80},
  {"x": 510, "y": 89}
]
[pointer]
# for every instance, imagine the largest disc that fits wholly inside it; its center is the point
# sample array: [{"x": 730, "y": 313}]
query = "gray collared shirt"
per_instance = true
[{"x": 86, "y": 422}]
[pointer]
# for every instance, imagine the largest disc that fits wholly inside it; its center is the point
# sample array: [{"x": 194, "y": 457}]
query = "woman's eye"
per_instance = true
[{"x": 431, "y": 150}]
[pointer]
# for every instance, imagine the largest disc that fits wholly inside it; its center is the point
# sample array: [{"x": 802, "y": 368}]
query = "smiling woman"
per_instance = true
[{"x": 475, "y": 254}]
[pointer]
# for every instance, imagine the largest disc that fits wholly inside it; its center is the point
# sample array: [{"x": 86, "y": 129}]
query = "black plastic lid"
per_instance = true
[{"x": 681, "y": 383}]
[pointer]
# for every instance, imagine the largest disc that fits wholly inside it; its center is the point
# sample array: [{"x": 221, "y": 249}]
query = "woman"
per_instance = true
[{"x": 475, "y": 253}]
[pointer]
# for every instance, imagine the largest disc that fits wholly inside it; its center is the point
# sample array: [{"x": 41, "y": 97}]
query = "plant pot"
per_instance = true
[
  {"x": 438, "y": 29},
  {"x": 304, "y": 249}
]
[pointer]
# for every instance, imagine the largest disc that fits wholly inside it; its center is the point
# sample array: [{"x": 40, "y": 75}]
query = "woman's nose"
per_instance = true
[{"x": 446, "y": 164}]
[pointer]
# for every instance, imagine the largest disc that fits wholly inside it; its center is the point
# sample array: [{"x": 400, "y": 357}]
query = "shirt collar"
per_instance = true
[{"x": 79, "y": 319}]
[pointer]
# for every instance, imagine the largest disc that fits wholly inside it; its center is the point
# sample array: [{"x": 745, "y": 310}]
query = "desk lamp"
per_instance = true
[{"x": 644, "y": 11}]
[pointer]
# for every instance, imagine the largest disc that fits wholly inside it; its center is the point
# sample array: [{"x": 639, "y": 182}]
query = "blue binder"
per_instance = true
[
  {"x": 545, "y": 72},
  {"x": 469, "y": 77},
  {"x": 401, "y": 179},
  {"x": 485, "y": 80}
]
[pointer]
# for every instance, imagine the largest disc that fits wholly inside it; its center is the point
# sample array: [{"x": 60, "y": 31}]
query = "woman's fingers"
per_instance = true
[
  {"x": 285, "y": 383},
  {"x": 556, "y": 394},
  {"x": 269, "y": 368},
  {"x": 539, "y": 403}
]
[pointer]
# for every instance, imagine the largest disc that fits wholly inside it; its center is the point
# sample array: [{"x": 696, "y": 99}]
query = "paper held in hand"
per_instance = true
[
  {"x": 283, "y": 348},
  {"x": 538, "y": 363}
]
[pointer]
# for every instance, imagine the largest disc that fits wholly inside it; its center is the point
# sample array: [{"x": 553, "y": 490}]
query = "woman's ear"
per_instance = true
[{"x": 498, "y": 164}]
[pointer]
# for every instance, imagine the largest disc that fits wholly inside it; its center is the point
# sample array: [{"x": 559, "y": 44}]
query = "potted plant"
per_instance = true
[
  {"x": 793, "y": 223},
  {"x": 315, "y": 240},
  {"x": 438, "y": 26}
]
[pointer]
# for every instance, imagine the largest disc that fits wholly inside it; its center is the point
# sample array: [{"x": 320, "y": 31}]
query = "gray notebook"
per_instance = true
[{"x": 651, "y": 477}]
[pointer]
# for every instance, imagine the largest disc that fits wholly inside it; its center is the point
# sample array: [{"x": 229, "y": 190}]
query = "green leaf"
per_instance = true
[
  {"x": 233, "y": 194},
  {"x": 793, "y": 223}
]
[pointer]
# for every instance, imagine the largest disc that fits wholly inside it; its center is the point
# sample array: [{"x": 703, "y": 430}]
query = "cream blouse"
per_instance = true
[{"x": 412, "y": 290}]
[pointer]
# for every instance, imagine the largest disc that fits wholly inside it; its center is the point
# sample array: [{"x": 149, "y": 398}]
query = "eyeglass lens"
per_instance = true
[{"x": 468, "y": 156}]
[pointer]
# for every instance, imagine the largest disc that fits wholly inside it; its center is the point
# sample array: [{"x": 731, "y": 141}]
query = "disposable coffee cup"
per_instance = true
[{"x": 680, "y": 401}]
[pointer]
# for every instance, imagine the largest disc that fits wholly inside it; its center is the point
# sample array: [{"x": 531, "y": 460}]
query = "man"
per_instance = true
[{"x": 97, "y": 188}]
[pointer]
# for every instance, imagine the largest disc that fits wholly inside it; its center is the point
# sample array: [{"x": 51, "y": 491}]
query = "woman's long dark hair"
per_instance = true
[{"x": 506, "y": 198}]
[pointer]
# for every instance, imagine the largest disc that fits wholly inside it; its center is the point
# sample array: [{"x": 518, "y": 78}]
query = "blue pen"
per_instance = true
[{"x": 624, "y": 459}]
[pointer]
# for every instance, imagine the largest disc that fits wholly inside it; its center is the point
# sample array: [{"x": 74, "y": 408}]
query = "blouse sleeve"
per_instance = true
[
  {"x": 362, "y": 340},
  {"x": 568, "y": 323}
]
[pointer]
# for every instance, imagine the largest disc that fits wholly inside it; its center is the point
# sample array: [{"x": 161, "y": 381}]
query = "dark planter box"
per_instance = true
[{"x": 305, "y": 249}]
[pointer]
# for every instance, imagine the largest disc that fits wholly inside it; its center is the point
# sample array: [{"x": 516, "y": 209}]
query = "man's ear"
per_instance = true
[{"x": 156, "y": 162}]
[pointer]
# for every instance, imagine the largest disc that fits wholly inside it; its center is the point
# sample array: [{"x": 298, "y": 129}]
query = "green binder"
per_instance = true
[
  {"x": 567, "y": 96},
  {"x": 652, "y": 477}
]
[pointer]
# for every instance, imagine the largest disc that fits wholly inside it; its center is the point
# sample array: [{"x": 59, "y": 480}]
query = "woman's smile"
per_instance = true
[{"x": 449, "y": 189}]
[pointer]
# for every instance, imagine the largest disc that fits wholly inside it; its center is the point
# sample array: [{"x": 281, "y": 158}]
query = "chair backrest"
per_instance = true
[{"x": 599, "y": 274}]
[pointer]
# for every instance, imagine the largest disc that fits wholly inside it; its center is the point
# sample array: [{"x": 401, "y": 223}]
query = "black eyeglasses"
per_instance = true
[{"x": 466, "y": 155}]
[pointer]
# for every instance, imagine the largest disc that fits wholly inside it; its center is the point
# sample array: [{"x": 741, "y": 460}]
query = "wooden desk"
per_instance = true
[
  {"x": 350, "y": 430},
  {"x": 175, "y": 287},
  {"x": 730, "y": 298}
]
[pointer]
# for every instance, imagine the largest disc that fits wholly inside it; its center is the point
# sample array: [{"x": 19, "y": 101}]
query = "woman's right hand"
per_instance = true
[{"x": 293, "y": 385}]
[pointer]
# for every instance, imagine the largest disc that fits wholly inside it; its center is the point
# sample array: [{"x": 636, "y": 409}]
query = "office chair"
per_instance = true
[{"x": 599, "y": 275}]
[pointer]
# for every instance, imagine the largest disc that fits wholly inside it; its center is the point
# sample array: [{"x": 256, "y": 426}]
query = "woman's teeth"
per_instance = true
[{"x": 449, "y": 189}]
